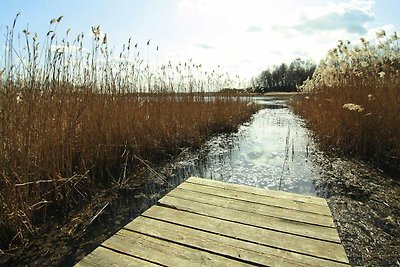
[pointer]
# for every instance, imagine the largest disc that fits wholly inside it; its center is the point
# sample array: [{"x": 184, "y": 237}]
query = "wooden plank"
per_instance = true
[
  {"x": 267, "y": 200},
  {"x": 231, "y": 247},
  {"x": 212, "y": 223},
  {"x": 252, "y": 207},
  {"x": 106, "y": 257},
  {"x": 258, "y": 191},
  {"x": 258, "y": 220},
  {"x": 238, "y": 233},
  {"x": 164, "y": 252}
]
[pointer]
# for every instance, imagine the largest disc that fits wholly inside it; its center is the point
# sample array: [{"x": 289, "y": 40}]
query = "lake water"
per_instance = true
[{"x": 273, "y": 150}]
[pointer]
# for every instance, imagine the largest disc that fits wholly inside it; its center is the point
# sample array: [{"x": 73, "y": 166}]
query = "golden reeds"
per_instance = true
[
  {"x": 354, "y": 101},
  {"x": 73, "y": 121}
]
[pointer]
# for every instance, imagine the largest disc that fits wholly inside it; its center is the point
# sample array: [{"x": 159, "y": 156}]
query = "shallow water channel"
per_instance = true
[{"x": 273, "y": 150}]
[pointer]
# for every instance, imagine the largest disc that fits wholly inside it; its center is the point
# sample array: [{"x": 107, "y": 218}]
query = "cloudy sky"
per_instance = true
[{"x": 243, "y": 36}]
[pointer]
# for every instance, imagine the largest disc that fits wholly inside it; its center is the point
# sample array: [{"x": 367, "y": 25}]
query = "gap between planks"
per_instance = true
[
  {"x": 173, "y": 245},
  {"x": 258, "y": 191},
  {"x": 251, "y": 219},
  {"x": 281, "y": 241},
  {"x": 242, "y": 225},
  {"x": 253, "y": 198},
  {"x": 255, "y": 208}
]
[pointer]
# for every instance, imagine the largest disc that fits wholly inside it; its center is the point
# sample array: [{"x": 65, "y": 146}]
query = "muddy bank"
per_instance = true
[
  {"x": 365, "y": 204},
  {"x": 272, "y": 151},
  {"x": 65, "y": 241},
  {"x": 60, "y": 242}
]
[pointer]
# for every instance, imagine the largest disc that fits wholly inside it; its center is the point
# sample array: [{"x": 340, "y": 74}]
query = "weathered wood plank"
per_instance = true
[
  {"x": 278, "y": 224},
  {"x": 231, "y": 247},
  {"x": 258, "y": 220},
  {"x": 106, "y": 257},
  {"x": 318, "y": 248},
  {"x": 212, "y": 223},
  {"x": 267, "y": 200},
  {"x": 241, "y": 220},
  {"x": 164, "y": 252},
  {"x": 252, "y": 207},
  {"x": 258, "y": 191}
]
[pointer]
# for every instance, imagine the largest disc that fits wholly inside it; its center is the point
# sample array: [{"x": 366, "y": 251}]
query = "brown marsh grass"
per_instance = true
[
  {"x": 74, "y": 121},
  {"x": 353, "y": 104}
]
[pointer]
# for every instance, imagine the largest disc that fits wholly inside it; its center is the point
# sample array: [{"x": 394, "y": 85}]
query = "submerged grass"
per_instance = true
[
  {"x": 353, "y": 101},
  {"x": 73, "y": 122}
]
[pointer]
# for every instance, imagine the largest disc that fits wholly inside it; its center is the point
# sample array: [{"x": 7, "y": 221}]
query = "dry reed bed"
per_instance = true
[
  {"x": 74, "y": 121},
  {"x": 353, "y": 102},
  {"x": 59, "y": 149}
]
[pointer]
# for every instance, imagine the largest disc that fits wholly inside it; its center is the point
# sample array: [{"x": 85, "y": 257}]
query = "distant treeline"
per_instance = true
[{"x": 284, "y": 78}]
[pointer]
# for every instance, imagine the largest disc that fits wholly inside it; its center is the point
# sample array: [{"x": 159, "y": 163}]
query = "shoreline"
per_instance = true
[
  {"x": 65, "y": 241},
  {"x": 364, "y": 202},
  {"x": 365, "y": 205}
]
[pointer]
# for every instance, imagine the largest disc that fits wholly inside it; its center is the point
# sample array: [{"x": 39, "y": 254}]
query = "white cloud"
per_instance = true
[
  {"x": 281, "y": 30},
  {"x": 351, "y": 20},
  {"x": 204, "y": 46},
  {"x": 300, "y": 53},
  {"x": 253, "y": 29}
]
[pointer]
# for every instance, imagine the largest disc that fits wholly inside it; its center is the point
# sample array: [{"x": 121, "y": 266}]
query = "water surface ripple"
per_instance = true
[{"x": 274, "y": 150}]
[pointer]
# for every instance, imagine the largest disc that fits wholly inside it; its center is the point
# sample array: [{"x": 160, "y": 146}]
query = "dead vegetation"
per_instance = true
[
  {"x": 74, "y": 121},
  {"x": 353, "y": 101}
]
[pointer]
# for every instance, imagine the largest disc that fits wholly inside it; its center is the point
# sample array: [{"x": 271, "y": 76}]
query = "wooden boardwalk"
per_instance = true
[{"x": 206, "y": 222}]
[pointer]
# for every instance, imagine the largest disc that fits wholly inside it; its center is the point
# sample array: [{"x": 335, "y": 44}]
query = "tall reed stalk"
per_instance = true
[
  {"x": 74, "y": 120},
  {"x": 354, "y": 101}
]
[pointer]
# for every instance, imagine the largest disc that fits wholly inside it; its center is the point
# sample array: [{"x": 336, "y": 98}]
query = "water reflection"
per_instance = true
[{"x": 272, "y": 151}]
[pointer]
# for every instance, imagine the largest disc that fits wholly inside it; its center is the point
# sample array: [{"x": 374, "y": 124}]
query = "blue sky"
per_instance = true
[{"x": 244, "y": 37}]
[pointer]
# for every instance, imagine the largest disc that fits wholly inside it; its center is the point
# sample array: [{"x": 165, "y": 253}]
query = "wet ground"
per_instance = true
[
  {"x": 273, "y": 151},
  {"x": 365, "y": 204}
]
